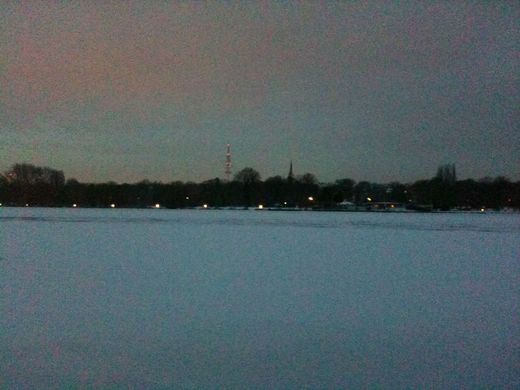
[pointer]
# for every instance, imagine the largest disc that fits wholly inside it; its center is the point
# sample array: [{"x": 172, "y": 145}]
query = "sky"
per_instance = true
[{"x": 379, "y": 91}]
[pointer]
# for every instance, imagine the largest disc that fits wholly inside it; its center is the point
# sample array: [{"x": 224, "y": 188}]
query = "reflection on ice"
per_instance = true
[{"x": 506, "y": 223}]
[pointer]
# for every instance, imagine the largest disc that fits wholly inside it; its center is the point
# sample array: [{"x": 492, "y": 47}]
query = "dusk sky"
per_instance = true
[{"x": 378, "y": 91}]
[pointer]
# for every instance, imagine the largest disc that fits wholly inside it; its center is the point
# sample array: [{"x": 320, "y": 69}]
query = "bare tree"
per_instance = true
[
  {"x": 308, "y": 178},
  {"x": 248, "y": 176}
]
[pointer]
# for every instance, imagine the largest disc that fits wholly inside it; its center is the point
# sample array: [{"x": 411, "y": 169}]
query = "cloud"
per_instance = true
[{"x": 257, "y": 72}]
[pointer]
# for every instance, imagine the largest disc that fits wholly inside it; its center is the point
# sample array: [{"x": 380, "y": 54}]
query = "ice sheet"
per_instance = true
[{"x": 239, "y": 299}]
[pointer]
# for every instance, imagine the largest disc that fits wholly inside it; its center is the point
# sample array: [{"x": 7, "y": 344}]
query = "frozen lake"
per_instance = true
[{"x": 258, "y": 299}]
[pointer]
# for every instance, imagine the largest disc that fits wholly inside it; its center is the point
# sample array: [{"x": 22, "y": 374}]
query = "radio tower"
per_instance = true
[{"x": 228, "y": 162}]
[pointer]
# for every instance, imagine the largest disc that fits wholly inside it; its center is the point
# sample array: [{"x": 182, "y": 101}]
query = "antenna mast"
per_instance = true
[{"x": 228, "y": 162}]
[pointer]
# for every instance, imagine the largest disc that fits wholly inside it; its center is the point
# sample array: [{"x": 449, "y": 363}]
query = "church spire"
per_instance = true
[{"x": 290, "y": 177}]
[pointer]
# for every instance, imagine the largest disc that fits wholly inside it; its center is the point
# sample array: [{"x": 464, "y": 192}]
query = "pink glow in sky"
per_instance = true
[{"x": 379, "y": 91}]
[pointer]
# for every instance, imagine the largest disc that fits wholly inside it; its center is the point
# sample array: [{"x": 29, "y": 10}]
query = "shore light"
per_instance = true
[
  {"x": 310, "y": 198},
  {"x": 157, "y": 206},
  {"x": 260, "y": 206},
  {"x": 369, "y": 199},
  {"x": 205, "y": 206},
  {"x": 113, "y": 206},
  {"x": 74, "y": 205}
]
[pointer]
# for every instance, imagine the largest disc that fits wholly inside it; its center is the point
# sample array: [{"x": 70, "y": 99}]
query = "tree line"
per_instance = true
[{"x": 29, "y": 185}]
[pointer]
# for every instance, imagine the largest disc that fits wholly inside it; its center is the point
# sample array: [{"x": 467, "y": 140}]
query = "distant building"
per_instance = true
[
  {"x": 290, "y": 176},
  {"x": 228, "y": 163}
]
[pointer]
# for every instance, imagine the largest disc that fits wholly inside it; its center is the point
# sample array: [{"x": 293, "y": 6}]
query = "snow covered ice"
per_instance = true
[{"x": 258, "y": 299}]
